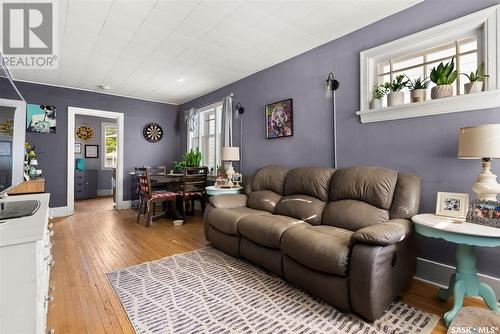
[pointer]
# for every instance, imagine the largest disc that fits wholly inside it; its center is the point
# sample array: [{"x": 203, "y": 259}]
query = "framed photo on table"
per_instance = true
[
  {"x": 91, "y": 151},
  {"x": 452, "y": 204}
]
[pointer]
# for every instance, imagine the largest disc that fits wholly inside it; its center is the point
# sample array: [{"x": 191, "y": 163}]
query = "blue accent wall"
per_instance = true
[
  {"x": 52, "y": 148},
  {"x": 426, "y": 146}
]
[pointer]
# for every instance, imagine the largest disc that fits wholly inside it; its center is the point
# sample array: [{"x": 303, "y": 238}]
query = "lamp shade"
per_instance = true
[
  {"x": 230, "y": 153},
  {"x": 481, "y": 141}
]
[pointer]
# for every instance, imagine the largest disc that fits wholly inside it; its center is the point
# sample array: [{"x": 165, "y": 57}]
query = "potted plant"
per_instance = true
[
  {"x": 178, "y": 166},
  {"x": 396, "y": 96},
  {"x": 476, "y": 80},
  {"x": 193, "y": 158},
  {"x": 378, "y": 93},
  {"x": 443, "y": 76},
  {"x": 418, "y": 88}
]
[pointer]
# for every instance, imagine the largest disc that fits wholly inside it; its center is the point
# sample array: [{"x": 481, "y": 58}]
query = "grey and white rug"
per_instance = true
[{"x": 207, "y": 291}]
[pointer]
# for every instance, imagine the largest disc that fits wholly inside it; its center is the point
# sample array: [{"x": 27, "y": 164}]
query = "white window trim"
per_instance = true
[
  {"x": 217, "y": 129},
  {"x": 488, "y": 19},
  {"x": 105, "y": 125}
]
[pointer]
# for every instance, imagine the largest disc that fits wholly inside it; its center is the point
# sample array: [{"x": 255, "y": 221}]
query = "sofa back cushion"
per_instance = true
[
  {"x": 306, "y": 193},
  {"x": 360, "y": 197},
  {"x": 311, "y": 181},
  {"x": 267, "y": 188},
  {"x": 406, "y": 197}
]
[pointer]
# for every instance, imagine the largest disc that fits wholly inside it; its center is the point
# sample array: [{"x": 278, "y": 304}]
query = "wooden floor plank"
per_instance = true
[{"x": 97, "y": 239}]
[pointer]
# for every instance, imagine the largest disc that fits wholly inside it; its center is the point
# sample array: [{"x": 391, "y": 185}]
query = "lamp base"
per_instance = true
[
  {"x": 229, "y": 174},
  {"x": 486, "y": 186}
]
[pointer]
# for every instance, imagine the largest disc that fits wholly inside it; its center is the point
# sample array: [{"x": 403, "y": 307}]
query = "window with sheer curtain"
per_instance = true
[
  {"x": 109, "y": 148},
  {"x": 207, "y": 135}
]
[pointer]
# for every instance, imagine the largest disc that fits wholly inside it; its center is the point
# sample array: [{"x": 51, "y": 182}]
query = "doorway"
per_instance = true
[{"x": 92, "y": 151}]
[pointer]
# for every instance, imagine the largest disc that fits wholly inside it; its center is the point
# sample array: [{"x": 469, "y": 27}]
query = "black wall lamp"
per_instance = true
[
  {"x": 331, "y": 86},
  {"x": 239, "y": 115}
]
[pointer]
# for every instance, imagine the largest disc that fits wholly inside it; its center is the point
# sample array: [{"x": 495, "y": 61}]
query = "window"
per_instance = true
[
  {"x": 207, "y": 135},
  {"x": 471, "y": 39},
  {"x": 108, "y": 145}
]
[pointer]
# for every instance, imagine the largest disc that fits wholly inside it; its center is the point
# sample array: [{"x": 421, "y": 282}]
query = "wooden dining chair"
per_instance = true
[
  {"x": 193, "y": 186},
  {"x": 148, "y": 198},
  {"x": 156, "y": 170}
]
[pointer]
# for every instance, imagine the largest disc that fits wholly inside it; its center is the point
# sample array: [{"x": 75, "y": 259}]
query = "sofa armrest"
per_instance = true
[
  {"x": 229, "y": 201},
  {"x": 387, "y": 233}
]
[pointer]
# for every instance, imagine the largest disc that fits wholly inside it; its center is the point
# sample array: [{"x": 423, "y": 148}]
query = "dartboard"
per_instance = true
[{"x": 152, "y": 132}]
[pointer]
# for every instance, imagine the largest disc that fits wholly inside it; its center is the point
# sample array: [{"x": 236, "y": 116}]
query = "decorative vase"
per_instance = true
[
  {"x": 395, "y": 99},
  {"x": 473, "y": 87},
  {"x": 438, "y": 92},
  {"x": 418, "y": 95},
  {"x": 376, "y": 104},
  {"x": 32, "y": 171}
]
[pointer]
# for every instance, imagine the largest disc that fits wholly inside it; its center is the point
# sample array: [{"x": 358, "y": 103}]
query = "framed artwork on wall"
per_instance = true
[
  {"x": 91, "y": 151},
  {"x": 78, "y": 148},
  {"x": 5, "y": 148},
  {"x": 40, "y": 118},
  {"x": 279, "y": 119}
]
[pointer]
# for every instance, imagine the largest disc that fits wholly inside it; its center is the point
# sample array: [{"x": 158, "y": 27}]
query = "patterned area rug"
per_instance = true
[{"x": 207, "y": 291}]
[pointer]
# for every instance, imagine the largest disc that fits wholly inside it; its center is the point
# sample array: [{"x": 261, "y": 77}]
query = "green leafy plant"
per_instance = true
[
  {"x": 418, "y": 83},
  {"x": 379, "y": 91},
  {"x": 444, "y": 74},
  {"x": 478, "y": 75},
  {"x": 178, "y": 165},
  {"x": 193, "y": 158},
  {"x": 397, "y": 84}
]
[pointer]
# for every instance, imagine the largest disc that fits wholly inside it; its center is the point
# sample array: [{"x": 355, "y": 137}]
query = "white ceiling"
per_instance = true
[{"x": 174, "y": 51}]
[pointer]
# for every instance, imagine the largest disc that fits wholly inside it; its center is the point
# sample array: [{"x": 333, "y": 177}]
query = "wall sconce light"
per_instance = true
[
  {"x": 331, "y": 86},
  {"x": 239, "y": 109}
]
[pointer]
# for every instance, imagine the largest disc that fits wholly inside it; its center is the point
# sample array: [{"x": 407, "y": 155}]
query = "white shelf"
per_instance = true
[{"x": 469, "y": 102}]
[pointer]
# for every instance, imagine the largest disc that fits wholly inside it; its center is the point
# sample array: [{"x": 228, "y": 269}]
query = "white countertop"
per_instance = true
[
  {"x": 455, "y": 225},
  {"x": 25, "y": 229}
]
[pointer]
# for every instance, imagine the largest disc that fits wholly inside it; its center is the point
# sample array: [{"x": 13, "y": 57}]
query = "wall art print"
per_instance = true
[
  {"x": 279, "y": 119},
  {"x": 40, "y": 118}
]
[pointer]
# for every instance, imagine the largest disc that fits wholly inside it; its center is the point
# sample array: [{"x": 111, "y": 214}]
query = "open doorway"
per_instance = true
[{"x": 95, "y": 160}]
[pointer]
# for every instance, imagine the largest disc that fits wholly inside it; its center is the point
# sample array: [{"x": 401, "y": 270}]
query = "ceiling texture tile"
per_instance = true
[{"x": 176, "y": 50}]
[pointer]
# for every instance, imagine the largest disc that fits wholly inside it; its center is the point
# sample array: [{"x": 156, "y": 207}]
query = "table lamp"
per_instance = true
[
  {"x": 230, "y": 154},
  {"x": 482, "y": 142}
]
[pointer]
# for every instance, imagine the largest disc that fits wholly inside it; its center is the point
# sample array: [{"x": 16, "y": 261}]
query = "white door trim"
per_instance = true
[{"x": 119, "y": 117}]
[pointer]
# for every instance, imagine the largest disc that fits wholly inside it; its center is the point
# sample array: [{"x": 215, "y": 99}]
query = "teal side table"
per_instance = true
[
  {"x": 467, "y": 236},
  {"x": 213, "y": 190}
]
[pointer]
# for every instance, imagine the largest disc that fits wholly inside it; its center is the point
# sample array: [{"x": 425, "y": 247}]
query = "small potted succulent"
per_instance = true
[
  {"x": 476, "y": 80},
  {"x": 396, "y": 96},
  {"x": 443, "y": 76},
  {"x": 418, "y": 89},
  {"x": 378, "y": 93}
]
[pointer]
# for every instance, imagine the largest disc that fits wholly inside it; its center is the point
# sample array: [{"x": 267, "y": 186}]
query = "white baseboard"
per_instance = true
[
  {"x": 104, "y": 192},
  {"x": 59, "y": 211},
  {"x": 439, "y": 274}
]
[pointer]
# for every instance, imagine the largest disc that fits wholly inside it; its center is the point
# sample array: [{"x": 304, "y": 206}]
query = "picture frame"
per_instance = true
[
  {"x": 91, "y": 151},
  {"x": 484, "y": 212},
  {"x": 452, "y": 204},
  {"x": 279, "y": 119},
  {"x": 78, "y": 148},
  {"x": 41, "y": 118}
]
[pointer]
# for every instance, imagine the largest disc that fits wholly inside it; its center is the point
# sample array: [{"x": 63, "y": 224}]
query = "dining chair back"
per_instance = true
[
  {"x": 156, "y": 170},
  {"x": 194, "y": 181}
]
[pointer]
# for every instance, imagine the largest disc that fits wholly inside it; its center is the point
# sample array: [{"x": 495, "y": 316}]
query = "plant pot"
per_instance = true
[
  {"x": 473, "y": 87},
  {"x": 376, "y": 104},
  {"x": 438, "y": 92},
  {"x": 418, "y": 95},
  {"x": 395, "y": 99}
]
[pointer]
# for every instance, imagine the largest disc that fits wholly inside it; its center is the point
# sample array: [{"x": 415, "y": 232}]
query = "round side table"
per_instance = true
[
  {"x": 213, "y": 190},
  {"x": 464, "y": 281}
]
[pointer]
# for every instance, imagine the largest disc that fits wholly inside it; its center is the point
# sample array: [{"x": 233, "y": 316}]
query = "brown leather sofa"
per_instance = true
[{"x": 342, "y": 235}]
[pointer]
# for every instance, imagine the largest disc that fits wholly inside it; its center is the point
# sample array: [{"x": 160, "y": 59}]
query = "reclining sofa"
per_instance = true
[{"x": 341, "y": 234}]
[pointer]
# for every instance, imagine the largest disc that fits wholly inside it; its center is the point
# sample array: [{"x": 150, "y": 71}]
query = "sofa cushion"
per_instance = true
[
  {"x": 322, "y": 248},
  {"x": 312, "y": 181},
  {"x": 373, "y": 185},
  {"x": 353, "y": 215},
  {"x": 306, "y": 208},
  {"x": 265, "y": 200},
  {"x": 270, "y": 178},
  {"x": 226, "y": 220},
  {"x": 406, "y": 196},
  {"x": 266, "y": 230}
]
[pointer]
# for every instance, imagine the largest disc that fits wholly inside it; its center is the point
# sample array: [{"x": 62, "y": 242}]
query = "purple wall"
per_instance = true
[
  {"x": 52, "y": 149},
  {"x": 426, "y": 146}
]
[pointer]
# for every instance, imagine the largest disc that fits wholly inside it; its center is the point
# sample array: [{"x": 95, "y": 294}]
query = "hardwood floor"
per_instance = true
[{"x": 98, "y": 239}]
